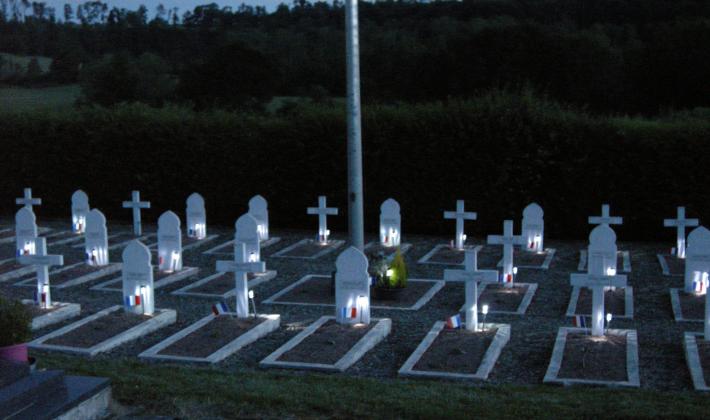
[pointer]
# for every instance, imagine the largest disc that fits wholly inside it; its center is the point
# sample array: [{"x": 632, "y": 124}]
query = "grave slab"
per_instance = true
[
  {"x": 379, "y": 330},
  {"x": 488, "y": 360},
  {"x": 194, "y": 289},
  {"x": 499, "y": 292},
  {"x": 10, "y": 269},
  {"x": 527, "y": 259},
  {"x": 320, "y": 284},
  {"x": 628, "y": 303},
  {"x": 227, "y": 248},
  {"x": 671, "y": 265},
  {"x": 623, "y": 261},
  {"x": 630, "y": 360},
  {"x": 161, "y": 280},
  {"x": 443, "y": 254},
  {"x": 687, "y": 307},
  {"x": 60, "y": 312},
  {"x": 269, "y": 324},
  {"x": 693, "y": 359},
  {"x": 161, "y": 318},
  {"x": 57, "y": 280},
  {"x": 308, "y": 249}
]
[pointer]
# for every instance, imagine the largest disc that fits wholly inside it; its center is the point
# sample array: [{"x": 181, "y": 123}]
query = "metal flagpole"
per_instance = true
[{"x": 355, "y": 197}]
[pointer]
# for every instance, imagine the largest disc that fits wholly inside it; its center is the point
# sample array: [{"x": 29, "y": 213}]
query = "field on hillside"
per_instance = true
[
  {"x": 28, "y": 99},
  {"x": 11, "y": 63}
]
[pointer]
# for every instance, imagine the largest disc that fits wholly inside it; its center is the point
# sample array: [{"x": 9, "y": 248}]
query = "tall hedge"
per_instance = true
[{"x": 498, "y": 152}]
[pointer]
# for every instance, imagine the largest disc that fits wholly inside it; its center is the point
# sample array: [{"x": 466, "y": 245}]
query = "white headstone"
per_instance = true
[
  {"x": 196, "y": 217},
  {"x": 241, "y": 267},
  {"x": 597, "y": 283},
  {"x": 697, "y": 260},
  {"x": 137, "y": 276},
  {"x": 460, "y": 215},
  {"x": 533, "y": 228},
  {"x": 323, "y": 211},
  {"x": 42, "y": 261},
  {"x": 259, "y": 209},
  {"x": 96, "y": 239},
  {"x": 136, "y": 204},
  {"x": 601, "y": 252},
  {"x": 169, "y": 242},
  {"x": 605, "y": 218},
  {"x": 680, "y": 224},
  {"x": 471, "y": 275},
  {"x": 246, "y": 232},
  {"x": 508, "y": 240},
  {"x": 25, "y": 232},
  {"x": 390, "y": 223},
  {"x": 352, "y": 288},
  {"x": 27, "y": 201},
  {"x": 79, "y": 211}
]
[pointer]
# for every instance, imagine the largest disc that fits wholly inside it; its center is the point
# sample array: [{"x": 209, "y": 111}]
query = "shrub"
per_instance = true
[
  {"x": 398, "y": 279},
  {"x": 15, "y": 323}
]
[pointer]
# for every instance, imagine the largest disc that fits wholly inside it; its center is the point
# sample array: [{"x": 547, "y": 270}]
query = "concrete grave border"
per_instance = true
[
  {"x": 484, "y": 369},
  {"x": 664, "y": 265},
  {"x": 625, "y": 255},
  {"x": 379, "y": 331},
  {"x": 40, "y": 232},
  {"x": 73, "y": 238},
  {"x": 20, "y": 272},
  {"x": 522, "y": 308},
  {"x": 201, "y": 242},
  {"x": 436, "y": 286},
  {"x": 403, "y": 248},
  {"x": 142, "y": 238},
  {"x": 185, "y": 291},
  {"x": 64, "y": 312},
  {"x": 332, "y": 246},
  {"x": 425, "y": 259},
  {"x": 175, "y": 277},
  {"x": 216, "y": 250},
  {"x": 692, "y": 357},
  {"x": 162, "y": 318},
  {"x": 677, "y": 309},
  {"x": 632, "y": 360},
  {"x": 271, "y": 323},
  {"x": 550, "y": 255},
  {"x": 628, "y": 303},
  {"x": 109, "y": 269}
]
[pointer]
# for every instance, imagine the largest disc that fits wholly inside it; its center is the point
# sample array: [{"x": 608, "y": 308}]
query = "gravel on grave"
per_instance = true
[
  {"x": 35, "y": 310},
  {"x": 74, "y": 273},
  {"x": 594, "y": 358},
  {"x": 676, "y": 266},
  {"x": 523, "y": 361},
  {"x": 501, "y": 298},
  {"x": 308, "y": 249},
  {"x": 220, "y": 284},
  {"x": 692, "y": 306},
  {"x": 456, "y": 351},
  {"x": 99, "y": 330},
  {"x": 212, "y": 336},
  {"x": 10, "y": 266},
  {"x": 614, "y": 302},
  {"x": 704, "y": 354},
  {"x": 328, "y": 344}
]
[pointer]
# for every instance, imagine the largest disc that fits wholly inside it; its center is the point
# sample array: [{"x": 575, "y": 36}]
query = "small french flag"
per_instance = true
[
  {"x": 580, "y": 321},
  {"x": 40, "y": 298},
  {"x": 531, "y": 244},
  {"x": 506, "y": 278},
  {"x": 453, "y": 322},
  {"x": 220, "y": 308},
  {"x": 349, "y": 313},
  {"x": 700, "y": 286},
  {"x": 133, "y": 300}
]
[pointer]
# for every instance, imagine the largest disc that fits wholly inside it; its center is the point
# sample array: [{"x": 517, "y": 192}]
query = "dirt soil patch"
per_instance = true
[
  {"x": 99, "y": 330},
  {"x": 594, "y": 358},
  {"x": 36, "y": 311},
  {"x": 614, "y": 302},
  {"x": 692, "y": 306},
  {"x": 10, "y": 266},
  {"x": 73, "y": 273},
  {"x": 447, "y": 255},
  {"x": 500, "y": 298},
  {"x": 456, "y": 351},
  {"x": 327, "y": 344},
  {"x": 220, "y": 285},
  {"x": 214, "y": 335}
]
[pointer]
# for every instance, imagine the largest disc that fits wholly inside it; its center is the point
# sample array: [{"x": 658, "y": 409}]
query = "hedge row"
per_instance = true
[{"x": 498, "y": 152}]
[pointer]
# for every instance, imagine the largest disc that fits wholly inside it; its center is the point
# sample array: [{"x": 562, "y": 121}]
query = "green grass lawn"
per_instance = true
[
  {"x": 24, "y": 99},
  {"x": 10, "y": 61},
  {"x": 198, "y": 392}
]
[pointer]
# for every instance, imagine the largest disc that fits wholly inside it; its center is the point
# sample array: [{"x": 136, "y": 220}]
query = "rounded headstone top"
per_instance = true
[
  {"x": 25, "y": 217},
  {"x": 168, "y": 220},
  {"x": 257, "y": 203},
  {"x": 533, "y": 211},
  {"x": 95, "y": 218},
  {"x": 195, "y": 200},
  {"x": 602, "y": 235},
  {"x": 246, "y": 226},
  {"x": 352, "y": 261},
  {"x": 699, "y": 239},
  {"x": 79, "y": 197},
  {"x": 136, "y": 253},
  {"x": 390, "y": 206}
]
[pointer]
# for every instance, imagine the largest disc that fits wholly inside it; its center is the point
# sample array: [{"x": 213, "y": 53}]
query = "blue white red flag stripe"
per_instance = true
[
  {"x": 220, "y": 308},
  {"x": 453, "y": 321},
  {"x": 580, "y": 321},
  {"x": 133, "y": 300},
  {"x": 349, "y": 312}
]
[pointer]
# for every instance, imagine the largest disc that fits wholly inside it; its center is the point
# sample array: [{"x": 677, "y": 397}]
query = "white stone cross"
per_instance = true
[
  {"x": 196, "y": 217},
  {"x": 323, "y": 212},
  {"x": 241, "y": 267},
  {"x": 507, "y": 240},
  {"x": 471, "y": 275},
  {"x": 79, "y": 210},
  {"x": 27, "y": 200},
  {"x": 697, "y": 261},
  {"x": 96, "y": 239},
  {"x": 137, "y": 279},
  {"x": 42, "y": 261},
  {"x": 352, "y": 288},
  {"x": 460, "y": 215},
  {"x": 605, "y": 218},
  {"x": 136, "y": 204},
  {"x": 259, "y": 209},
  {"x": 598, "y": 285},
  {"x": 390, "y": 223},
  {"x": 680, "y": 223}
]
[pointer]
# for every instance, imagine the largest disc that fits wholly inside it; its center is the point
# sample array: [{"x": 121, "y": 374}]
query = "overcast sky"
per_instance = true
[{"x": 184, "y": 5}]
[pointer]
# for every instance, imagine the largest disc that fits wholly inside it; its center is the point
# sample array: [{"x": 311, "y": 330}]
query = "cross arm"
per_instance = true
[{"x": 587, "y": 280}]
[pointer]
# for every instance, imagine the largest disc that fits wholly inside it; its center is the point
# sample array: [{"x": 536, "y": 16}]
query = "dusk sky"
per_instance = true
[{"x": 182, "y": 4}]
